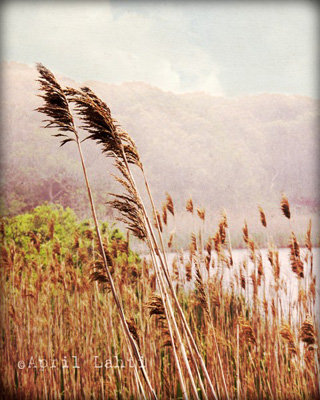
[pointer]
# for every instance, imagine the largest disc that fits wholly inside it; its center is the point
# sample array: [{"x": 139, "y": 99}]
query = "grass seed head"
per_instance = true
[
  {"x": 201, "y": 213},
  {"x": 307, "y": 331},
  {"x": 169, "y": 204},
  {"x": 189, "y": 205},
  {"x": 285, "y": 207},
  {"x": 262, "y": 217}
]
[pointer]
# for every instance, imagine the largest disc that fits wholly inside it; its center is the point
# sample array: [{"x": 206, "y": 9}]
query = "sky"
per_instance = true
[{"x": 229, "y": 48}]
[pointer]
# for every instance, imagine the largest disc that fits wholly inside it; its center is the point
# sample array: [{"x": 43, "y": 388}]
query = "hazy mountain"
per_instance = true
[{"x": 225, "y": 152}]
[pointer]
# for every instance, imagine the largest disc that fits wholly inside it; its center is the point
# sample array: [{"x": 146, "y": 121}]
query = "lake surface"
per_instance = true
[{"x": 289, "y": 282}]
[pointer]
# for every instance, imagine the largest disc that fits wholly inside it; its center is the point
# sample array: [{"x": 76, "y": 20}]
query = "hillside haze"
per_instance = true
[{"x": 224, "y": 152}]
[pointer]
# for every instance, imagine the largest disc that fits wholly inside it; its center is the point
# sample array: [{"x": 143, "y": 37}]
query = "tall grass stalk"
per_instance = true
[
  {"x": 117, "y": 144},
  {"x": 57, "y": 109}
]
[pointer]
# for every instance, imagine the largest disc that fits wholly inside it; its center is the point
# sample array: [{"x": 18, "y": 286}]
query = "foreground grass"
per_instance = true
[{"x": 55, "y": 319}]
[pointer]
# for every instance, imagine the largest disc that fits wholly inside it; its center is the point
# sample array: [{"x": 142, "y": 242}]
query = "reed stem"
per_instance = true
[{"x": 106, "y": 267}]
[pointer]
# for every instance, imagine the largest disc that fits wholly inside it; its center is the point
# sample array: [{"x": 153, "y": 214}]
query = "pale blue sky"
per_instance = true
[{"x": 222, "y": 47}]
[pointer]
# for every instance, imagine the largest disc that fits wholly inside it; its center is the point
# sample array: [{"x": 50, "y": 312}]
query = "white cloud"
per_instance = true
[
  {"x": 87, "y": 41},
  {"x": 216, "y": 47}
]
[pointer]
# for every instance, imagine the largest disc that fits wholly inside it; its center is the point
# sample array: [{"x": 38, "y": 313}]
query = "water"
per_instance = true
[{"x": 289, "y": 282}]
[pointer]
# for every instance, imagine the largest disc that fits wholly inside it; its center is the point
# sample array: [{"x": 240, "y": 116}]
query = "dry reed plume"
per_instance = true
[{"x": 285, "y": 207}]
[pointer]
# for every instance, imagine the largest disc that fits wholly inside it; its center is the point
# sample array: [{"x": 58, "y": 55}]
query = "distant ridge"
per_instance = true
[{"x": 231, "y": 152}]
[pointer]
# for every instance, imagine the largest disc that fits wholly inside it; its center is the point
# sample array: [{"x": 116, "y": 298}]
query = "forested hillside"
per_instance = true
[{"x": 224, "y": 152}]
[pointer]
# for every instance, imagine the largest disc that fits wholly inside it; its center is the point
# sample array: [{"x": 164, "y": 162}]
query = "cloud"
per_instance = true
[
  {"x": 89, "y": 41},
  {"x": 221, "y": 48}
]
